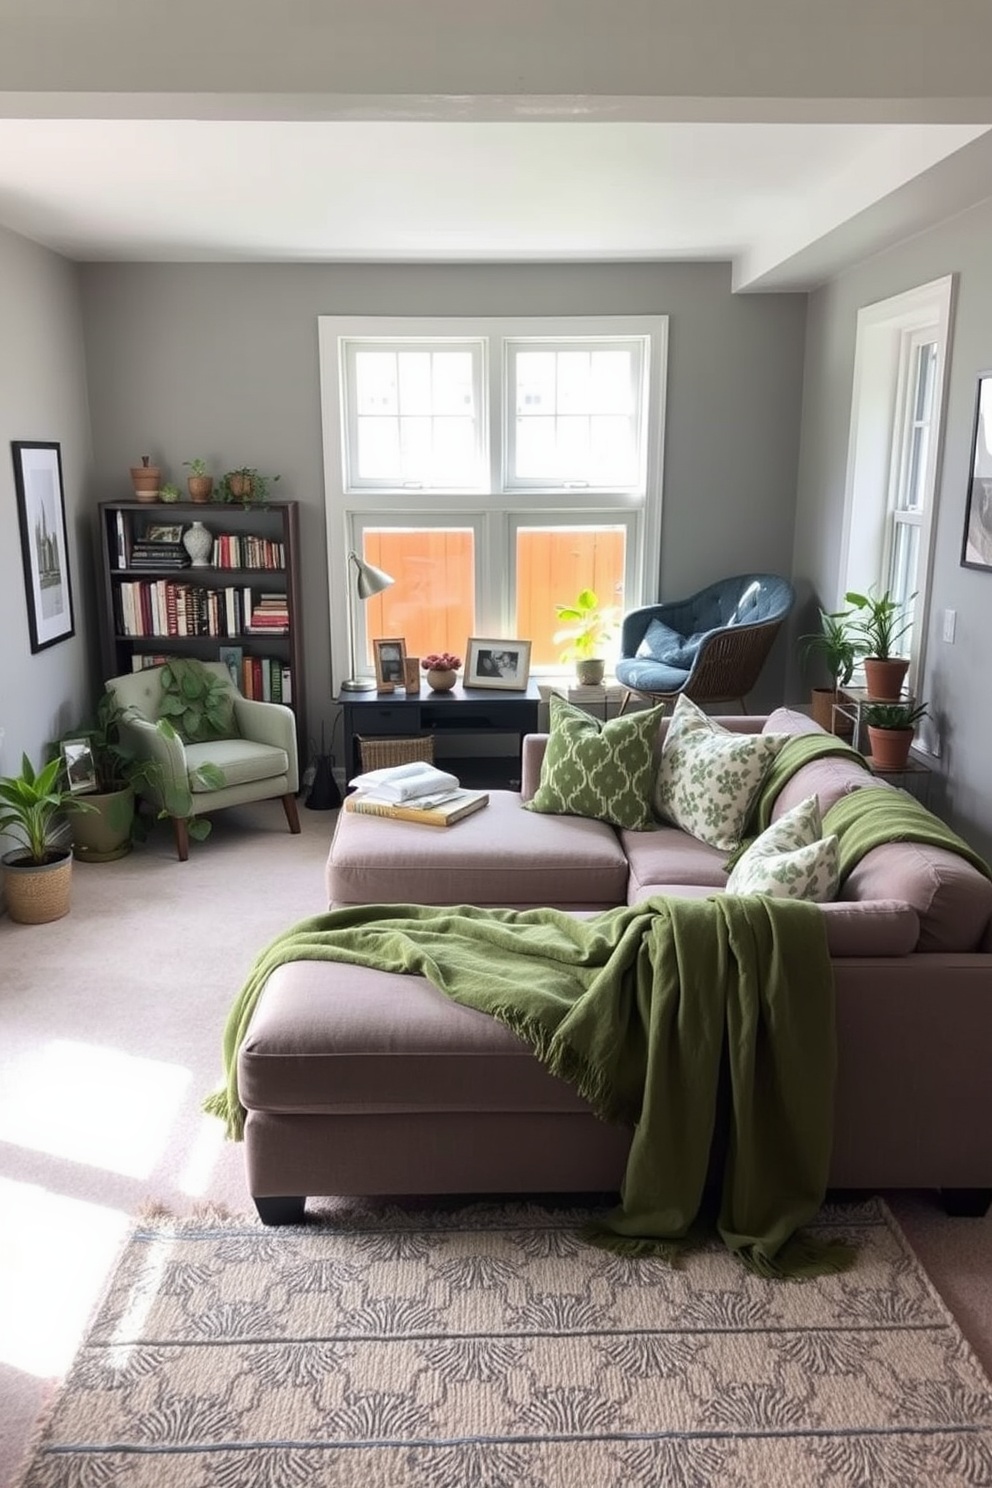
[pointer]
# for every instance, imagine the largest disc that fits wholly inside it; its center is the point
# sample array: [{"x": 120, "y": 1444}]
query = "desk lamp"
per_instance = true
[{"x": 368, "y": 581}]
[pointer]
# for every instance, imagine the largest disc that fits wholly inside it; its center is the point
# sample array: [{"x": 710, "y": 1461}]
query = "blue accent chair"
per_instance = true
[{"x": 710, "y": 647}]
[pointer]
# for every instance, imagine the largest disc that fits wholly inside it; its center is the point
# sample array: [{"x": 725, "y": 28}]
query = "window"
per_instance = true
[
  {"x": 899, "y": 372},
  {"x": 493, "y": 468}
]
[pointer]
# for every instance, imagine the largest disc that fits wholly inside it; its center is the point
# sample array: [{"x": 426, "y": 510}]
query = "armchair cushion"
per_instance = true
[
  {"x": 663, "y": 644},
  {"x": 240, "y": 761}
]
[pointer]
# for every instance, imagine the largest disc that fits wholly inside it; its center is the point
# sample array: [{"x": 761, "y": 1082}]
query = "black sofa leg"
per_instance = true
[
  {"x": 288, "y": 1211},
  {"x": 966, "y": 1203}
]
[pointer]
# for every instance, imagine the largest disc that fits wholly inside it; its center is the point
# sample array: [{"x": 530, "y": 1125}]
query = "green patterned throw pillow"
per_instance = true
[
  {"x": 710, "y": 776},
  {"x": 600, "y": 770},
  {"x": 791, "y": 859}
]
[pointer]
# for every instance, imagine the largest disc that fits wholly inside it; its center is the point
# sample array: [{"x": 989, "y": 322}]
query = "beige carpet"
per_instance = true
[
  {"x": 487, "y": 1345},
  {"x": 110, "y": 1025}
]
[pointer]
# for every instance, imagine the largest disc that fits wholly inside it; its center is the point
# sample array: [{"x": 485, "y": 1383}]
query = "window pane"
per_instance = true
[
  {"x": 415, "y": 416},
  {"x": 554, "y": 564},
  {"x": 432, "y": 602},
  {"x": 375, "y": 382},
  {"x": 902, "y": 574},
  {"x": 378, "y": 448},
  {"x": 576, "y": 416}
]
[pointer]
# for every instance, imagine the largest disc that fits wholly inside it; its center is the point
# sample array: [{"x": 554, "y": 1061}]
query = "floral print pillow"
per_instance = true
[
  {"x": 710, "y": 776},
  {"x": 791, "y": 860}
]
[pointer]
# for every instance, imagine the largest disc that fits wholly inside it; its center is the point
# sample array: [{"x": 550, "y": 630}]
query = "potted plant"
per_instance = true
[
  {"x": 891, "y": 727},
  {"x": 246, "y": 485},
  {"x": 589, "y": 629},
  {"x": 839, "y": 651},
  {"x": 106, "y": 823},
  {"x": 170, "y": 493},
  {"x": 37, "y": 876},
  {"x": 879, "y": 628},
  {"x": 199, "y": 483}
]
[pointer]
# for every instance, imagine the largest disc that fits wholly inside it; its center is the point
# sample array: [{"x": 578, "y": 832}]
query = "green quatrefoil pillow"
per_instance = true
[
  {"x": 601, "y": 770},
  {"x": 709, "y": 776},
  {"x": 791, "y": 859}
]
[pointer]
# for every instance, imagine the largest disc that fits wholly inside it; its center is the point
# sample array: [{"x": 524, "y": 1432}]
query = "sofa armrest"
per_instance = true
[{"x": 531, "y": 759}]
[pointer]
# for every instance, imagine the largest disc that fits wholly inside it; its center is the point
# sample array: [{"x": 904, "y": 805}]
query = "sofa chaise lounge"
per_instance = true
[{"x": 358, "y": 1081}]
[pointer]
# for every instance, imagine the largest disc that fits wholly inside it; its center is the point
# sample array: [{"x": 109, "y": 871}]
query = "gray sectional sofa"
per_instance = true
[{"x": 360, "y": 1081}]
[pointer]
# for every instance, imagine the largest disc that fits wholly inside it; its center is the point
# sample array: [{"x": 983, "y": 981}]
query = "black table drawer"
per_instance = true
[{"x": 381, "y": 718}]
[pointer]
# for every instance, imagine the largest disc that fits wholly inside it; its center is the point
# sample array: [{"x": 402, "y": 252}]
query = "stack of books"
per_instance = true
[
  {"x": 146, "y": 554},
  {"x": 270, "y": 615},
  {"x": 416, "y": 792}
]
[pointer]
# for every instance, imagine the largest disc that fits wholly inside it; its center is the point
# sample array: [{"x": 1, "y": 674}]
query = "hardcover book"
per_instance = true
[{"x": 442, "y": 813}]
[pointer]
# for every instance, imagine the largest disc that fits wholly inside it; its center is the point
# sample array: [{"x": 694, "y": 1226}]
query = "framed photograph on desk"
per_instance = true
[
  {"x": 497, "y": 663},
  {"x": 390, "y": 661}
]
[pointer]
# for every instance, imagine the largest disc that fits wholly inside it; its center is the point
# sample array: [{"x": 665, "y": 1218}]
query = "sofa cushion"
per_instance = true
[
  {"x": 829, "y": 779},
  {"x": 600, "y": 770},
  {"x": 951, "y": 898},
  {"x": 500, "y": 857},
  {"x": 709, "y": 776},
  {"x": 670, "y": 856},
  {"x": 240, "y": 761},
  {"x": 791, "y": 859}
]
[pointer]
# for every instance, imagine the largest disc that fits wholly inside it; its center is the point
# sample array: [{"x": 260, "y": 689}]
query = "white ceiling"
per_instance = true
[{"x": 789, "y": 190}]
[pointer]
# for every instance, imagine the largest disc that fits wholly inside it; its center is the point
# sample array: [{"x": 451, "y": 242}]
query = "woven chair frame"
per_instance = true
[{"x": 726, "y": 668}]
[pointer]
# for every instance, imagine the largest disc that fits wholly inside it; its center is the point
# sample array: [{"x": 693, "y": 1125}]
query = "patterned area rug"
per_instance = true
[{"x": 487, "y": 1347}]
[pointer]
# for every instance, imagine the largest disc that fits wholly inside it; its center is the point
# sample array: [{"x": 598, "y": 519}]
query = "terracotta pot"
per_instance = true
[
  {"x": 884, "y": 677},
  {"x": 890, "y": 747},
  {"x": 241, "y": 487},
  {"x": 441, "y": 681},
  {"x": 146, "y": 480},
  {"x": 823, "y": 700},
  {"x": 200, "y": 487}
]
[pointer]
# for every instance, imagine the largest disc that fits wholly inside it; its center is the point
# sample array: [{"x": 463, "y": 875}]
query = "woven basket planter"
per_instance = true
[{"x": 36, "y": 893}]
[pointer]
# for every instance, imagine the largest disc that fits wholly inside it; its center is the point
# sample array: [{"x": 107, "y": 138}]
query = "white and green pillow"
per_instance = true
[
  {"x": 600, "y": 770},
  {"x": 791, "y": 859},
  {"x": 709, "y": 776}
]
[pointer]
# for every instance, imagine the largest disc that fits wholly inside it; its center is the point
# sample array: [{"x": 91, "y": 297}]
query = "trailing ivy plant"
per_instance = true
[{"x": 196, "y": 702}]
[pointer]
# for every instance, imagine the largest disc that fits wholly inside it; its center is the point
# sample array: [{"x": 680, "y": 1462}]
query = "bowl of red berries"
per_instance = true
[{"x": 442, "y": 670}]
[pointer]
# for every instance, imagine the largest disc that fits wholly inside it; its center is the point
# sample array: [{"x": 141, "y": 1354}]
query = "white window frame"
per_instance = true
[
  {"x": 887, "y": 334},
  {"x": 499, "y": 508}
]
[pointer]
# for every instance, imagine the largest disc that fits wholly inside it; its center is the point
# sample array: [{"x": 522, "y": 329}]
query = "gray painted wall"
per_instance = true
[
  {"x": 42, "y": 397},
  {"x": 220, "y": 361},
  {"x": 956, "y": 678}
]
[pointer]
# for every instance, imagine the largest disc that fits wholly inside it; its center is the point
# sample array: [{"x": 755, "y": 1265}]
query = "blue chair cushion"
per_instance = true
[{"x": 663, "y": 644}]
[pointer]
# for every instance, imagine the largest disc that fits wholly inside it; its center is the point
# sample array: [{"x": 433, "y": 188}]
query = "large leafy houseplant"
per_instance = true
[
  {"x": 880, "y": 624},
  {"x": 839, "y": 650}
]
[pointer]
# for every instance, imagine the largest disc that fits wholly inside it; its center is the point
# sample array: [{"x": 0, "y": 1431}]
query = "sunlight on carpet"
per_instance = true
[{"x": 485, "y": 1344}]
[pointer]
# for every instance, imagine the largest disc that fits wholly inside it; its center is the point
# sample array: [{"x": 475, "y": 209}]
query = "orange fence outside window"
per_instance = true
[
  {"x": 432, "y": 603},
  {"x": 554, "y": 565}
]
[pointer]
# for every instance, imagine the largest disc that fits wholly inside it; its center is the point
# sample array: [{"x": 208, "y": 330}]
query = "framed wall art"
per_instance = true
[
  {"x": 976, "y": 548},
  {"x": 44, "y": 550},
  {"x": 497, "y": 663},
  {"x": 390, "y": 661}
]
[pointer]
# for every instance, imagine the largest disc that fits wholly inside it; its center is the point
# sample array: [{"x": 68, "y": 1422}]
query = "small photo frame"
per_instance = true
[
  {"x": 232, "y": 657},
  {"x": 390, "y": 661},
  {"x": 164, "y": 532},
  {"x": 412, "y": 674},
  {"x": 497, "y": 663},
  {"x": 80, "y": 770}
]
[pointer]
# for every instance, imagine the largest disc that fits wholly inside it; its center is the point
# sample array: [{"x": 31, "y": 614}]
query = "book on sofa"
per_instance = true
[{"x": 442, "y": 810}]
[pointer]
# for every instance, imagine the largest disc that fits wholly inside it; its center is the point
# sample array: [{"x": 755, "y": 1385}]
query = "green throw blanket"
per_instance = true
[
  {"x": 797, "y": 751},
  {"x": 640, "y": 1009},
  {"x": 868, "y": 818}
]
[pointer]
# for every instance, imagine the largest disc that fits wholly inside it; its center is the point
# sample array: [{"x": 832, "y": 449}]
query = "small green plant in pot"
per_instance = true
[
  {"x": 199, "y": 482},
  {"x": 37, "y": 875},
  {"x": 589, "y": 630},
  {"x": 839, "y": 651},
  {"x": 891, "y": 727},
  {"x": 246, "y": 485},
  {"x": 880, "y": 622}
]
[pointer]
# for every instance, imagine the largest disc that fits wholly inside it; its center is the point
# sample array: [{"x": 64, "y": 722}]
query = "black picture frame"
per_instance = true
[
  {"x": 976, "y": 543},
  {"x": 44, "y": 546}
]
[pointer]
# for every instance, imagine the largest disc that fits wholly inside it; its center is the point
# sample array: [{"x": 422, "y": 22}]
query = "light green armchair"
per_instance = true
[{"x": 260, "y": 764}]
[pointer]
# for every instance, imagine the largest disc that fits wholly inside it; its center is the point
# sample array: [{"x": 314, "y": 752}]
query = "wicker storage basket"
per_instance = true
[
  {"x": 378, "y": 753},
  {"x": 36, "y": 894}
]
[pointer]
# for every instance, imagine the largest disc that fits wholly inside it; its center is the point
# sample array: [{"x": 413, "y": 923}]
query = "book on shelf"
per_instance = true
[{"x": 432, "y": 811}]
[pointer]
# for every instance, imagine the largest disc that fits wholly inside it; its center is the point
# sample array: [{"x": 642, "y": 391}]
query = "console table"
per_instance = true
[{"x": 449, "y": 717}]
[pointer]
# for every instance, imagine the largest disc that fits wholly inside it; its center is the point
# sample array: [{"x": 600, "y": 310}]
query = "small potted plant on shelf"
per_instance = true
[
  {"x": 839, "y": 650},
  {"x": 37, "y": 876},
  {"x": 882, "y": 623},
  {"x": 589, "y": 629},
  {"x": 199, "y": 483},
  {"x": 246, "y": 485},
  {"x": 891, "y": 727},
  {"x": 146, "y": 479}
]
